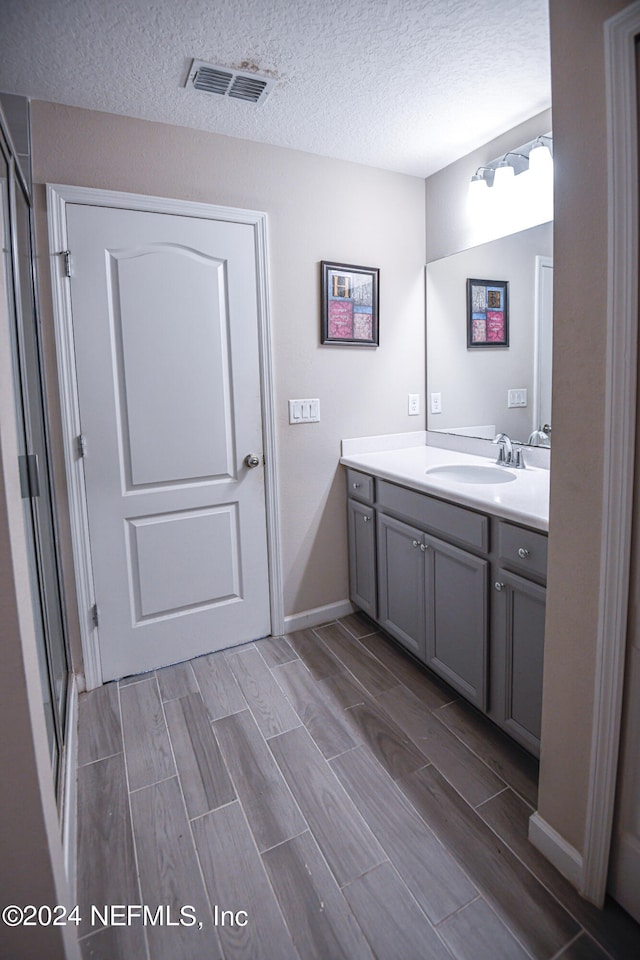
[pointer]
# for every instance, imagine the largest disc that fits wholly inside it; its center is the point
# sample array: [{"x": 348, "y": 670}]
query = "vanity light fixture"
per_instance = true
[
  {"x": 502, "y": 171},
  {"x": 516, "y": 187}
]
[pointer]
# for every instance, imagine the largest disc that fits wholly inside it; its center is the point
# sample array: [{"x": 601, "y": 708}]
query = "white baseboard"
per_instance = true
[
  {"x": 313, "y": 618},
  {"x": 556, "y": 849},
  {"x": 69, "y": 785}
]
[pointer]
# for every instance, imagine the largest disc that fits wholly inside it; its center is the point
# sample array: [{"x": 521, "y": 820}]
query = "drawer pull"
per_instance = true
[
  {"x": 356, "y": 485},
  {"x": 523, "y": 553},
  {"x": 499, "y": 586},
  {"x": 415, "y": 544}
]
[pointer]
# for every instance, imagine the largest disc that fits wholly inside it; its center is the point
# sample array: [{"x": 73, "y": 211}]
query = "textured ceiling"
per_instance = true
[{"x": 408, "y": 85}]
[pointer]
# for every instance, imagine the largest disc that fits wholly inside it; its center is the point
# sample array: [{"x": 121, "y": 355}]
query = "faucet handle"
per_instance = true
[
  {"x": 501, "y": 455},
  {"x": 518, "y": 459}
]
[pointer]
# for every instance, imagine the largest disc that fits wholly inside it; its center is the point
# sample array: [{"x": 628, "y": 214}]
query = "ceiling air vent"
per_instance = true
[{"x": 225, "y": 82}]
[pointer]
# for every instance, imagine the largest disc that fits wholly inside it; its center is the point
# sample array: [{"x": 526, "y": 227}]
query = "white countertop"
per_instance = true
[{"x": 525, "y": 500}]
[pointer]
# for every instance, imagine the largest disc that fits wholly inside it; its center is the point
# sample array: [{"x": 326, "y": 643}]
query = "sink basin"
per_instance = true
[{"x": 471, "y": 473}]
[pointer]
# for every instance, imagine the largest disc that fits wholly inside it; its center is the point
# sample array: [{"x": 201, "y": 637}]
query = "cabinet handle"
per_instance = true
[
  {"x": 499, "y": 586},
  {"x": 424, "y": 547},
  {"x": 365, "y": 518},
  {"x": 523, "y": 553},
  {"x": 356, "y": 486},
  {"x": 415, "y": 544}
]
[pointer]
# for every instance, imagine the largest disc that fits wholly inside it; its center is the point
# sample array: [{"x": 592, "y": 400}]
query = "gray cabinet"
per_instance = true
[
  {"x": 362, "y": 556},
  {"x": 432, "y": 597},
  {"x": 518, "y": 615},
  {"x": 519, "y": 612},
  {"x": 462, "y": 591},
  {"x": 432, "y": 594},
  {"x": 401, "y": 583},
  {"x": 362, "y": 542},
  {"x": 457, "y": 622}
]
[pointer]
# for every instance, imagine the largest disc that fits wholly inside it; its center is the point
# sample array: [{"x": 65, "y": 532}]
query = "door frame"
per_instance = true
[
  {"x": 58, "y": 196},
  {"x": 541, "y": 278},
  {"x": 620, "y": 34}
]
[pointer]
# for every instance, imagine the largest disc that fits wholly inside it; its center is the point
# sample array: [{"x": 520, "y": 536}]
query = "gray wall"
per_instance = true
[
  {"x": 449, "y": 227},
  {"x": 318, "y": 209}
]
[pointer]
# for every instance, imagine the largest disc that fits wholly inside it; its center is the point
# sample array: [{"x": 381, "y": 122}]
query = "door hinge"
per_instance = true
[
  {"x": 67, "y": 261},
  {"x": 81, "y": 446},
  {"x": 94, "y": 615},
  {"x": 29, "y": 476}
]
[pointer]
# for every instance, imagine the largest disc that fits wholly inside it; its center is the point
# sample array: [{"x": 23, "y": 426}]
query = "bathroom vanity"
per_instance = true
[{"x": 448, "y": 554}]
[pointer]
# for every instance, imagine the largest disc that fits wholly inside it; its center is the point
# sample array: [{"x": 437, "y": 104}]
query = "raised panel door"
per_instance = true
[
  {"x": 401, "y": 582},
  {"x": 362, "y": 557},
  {"x": 519, "y": 617},
  {"x": 457, "y": 622},
  {"x": 166, "y": 338}
]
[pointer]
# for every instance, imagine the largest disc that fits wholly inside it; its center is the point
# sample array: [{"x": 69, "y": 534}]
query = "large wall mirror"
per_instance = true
[{"x": 482, "y": 391}]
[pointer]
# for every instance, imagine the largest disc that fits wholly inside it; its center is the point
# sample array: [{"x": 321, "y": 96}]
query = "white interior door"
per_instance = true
[{"x": 164, "y": 312}]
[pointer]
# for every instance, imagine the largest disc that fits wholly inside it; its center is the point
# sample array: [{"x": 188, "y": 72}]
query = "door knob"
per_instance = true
[{"x": 252, "y": 460}]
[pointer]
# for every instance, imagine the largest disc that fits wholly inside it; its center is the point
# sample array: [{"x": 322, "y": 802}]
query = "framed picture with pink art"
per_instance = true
[
  {"x": 487, "y": 313},
  {"x": 349, "y": 304}
]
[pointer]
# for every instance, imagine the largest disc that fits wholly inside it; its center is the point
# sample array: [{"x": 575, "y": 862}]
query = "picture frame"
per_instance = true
[
  {"x": 349, "y": 309},
  {"x": 487, "y": 313}
]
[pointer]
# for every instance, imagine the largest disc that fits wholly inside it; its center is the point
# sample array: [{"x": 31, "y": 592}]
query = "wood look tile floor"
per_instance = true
[{"x": 317, "y": 796}]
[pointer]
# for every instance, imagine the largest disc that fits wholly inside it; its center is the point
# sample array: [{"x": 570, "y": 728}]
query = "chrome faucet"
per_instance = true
[
  {"x": 507, "y": 456},
  {"x": 539, "y": 438}
]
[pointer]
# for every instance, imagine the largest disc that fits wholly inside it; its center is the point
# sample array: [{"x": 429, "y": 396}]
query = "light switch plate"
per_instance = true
[
  {"x": 517, "y": 398},
  {"x": 304, "y": 411}
]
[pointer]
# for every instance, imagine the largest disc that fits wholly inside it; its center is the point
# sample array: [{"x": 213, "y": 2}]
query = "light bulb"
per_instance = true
[
  {"x": 541, "y": 161},
  {"x": 478, "y": 187},
  {"x": 503, "y": 176},
  {"x": 478, "y": 196},
  {"x": 541, "y": 173}
]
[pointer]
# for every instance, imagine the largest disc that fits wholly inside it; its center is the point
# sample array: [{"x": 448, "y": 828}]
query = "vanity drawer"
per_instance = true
[
  {"x": 360, "y": 486},
  {"x": 523, "y": 550},
  {"x": 452, "y": 523}
]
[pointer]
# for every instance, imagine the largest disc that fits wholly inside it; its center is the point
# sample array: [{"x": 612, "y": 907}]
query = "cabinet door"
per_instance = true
[
  {"x": 457, "y": 622},
  {"x": 401, "y": 583},
  {"x": 519, "y": 610},
  {"x": 362, "y": 557}
]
